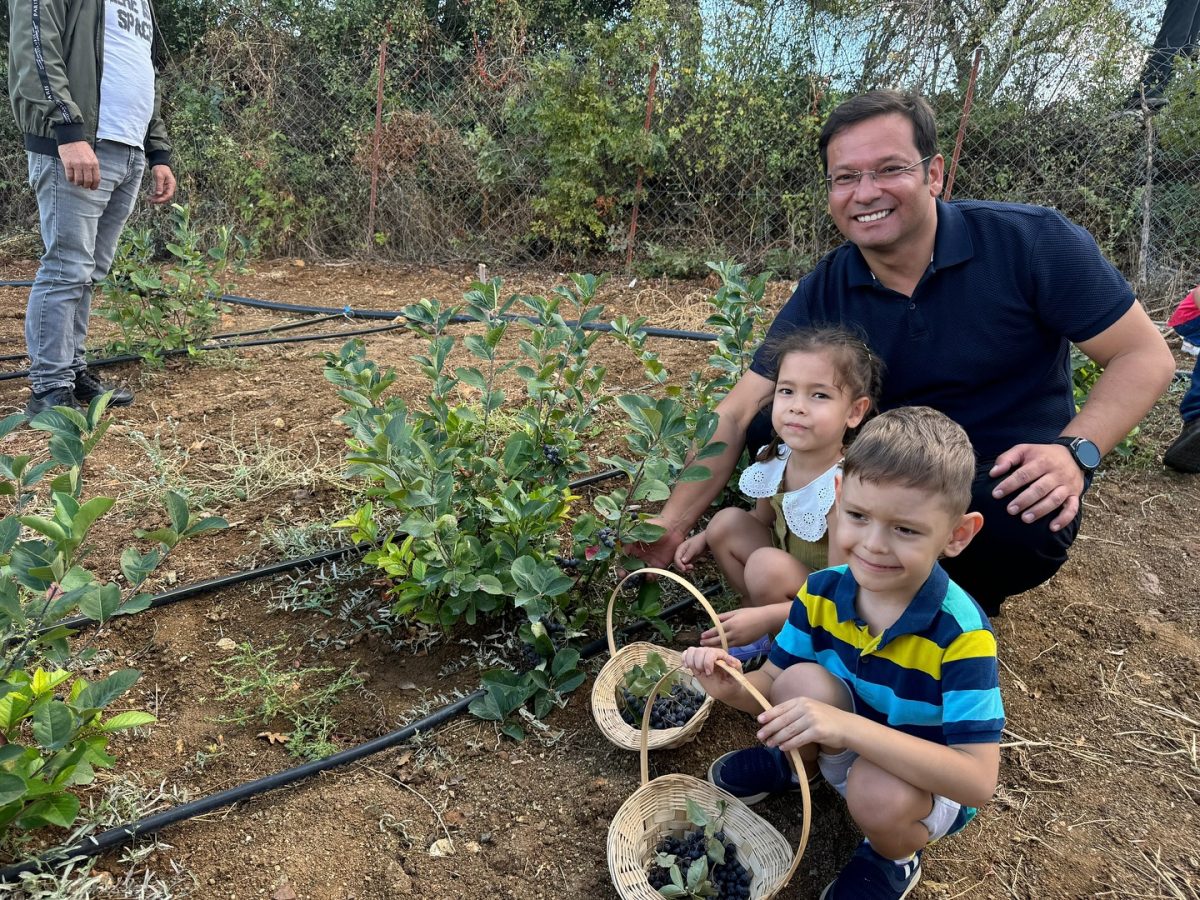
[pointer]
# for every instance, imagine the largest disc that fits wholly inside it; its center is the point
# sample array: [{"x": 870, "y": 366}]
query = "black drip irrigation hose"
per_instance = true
[
  {"x": 295, "y": 339},
  {"x": 121, "y": 834},
  {"x": 188, "y": 591},
  {"x": 397, "y": 314},
  {"x": 225, "y": 335},
  {"x": 650, "y": 331}
]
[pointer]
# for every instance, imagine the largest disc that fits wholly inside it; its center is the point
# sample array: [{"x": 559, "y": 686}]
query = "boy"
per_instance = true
[
  {"x": 885, "y": 675},
  {"x": 1184, "y": 454}
]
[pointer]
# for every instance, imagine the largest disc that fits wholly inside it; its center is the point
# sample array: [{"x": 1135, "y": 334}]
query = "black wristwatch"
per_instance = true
[{"x": 1086, "y": 454}]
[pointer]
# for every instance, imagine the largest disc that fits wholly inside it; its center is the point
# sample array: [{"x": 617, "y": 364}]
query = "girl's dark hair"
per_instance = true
[{"x": 856, "y": 370}]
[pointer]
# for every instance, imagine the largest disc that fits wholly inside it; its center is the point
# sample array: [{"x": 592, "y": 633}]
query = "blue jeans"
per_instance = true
[
  {"x": 1189, "y": 406},
  {"x": 80, "y": 230}
]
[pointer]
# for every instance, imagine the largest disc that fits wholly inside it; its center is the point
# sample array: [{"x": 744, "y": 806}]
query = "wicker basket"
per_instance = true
[
  {"x": 608, "y": 683},
  {"x": 658, "y": 809}
]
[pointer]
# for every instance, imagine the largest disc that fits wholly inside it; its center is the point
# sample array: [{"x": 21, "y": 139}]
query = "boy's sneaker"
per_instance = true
[
  {"x": 869, "y": 876},
  {"x": 754, "y": 774},
  {"x": 752, "y": 655},
  {"x": 1184, "y": 454}
]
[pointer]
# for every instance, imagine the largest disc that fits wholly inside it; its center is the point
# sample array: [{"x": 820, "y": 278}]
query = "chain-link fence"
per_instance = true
[{"x": 657, "y": 141}]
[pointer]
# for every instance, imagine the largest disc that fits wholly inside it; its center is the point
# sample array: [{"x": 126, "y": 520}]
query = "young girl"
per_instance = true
[{"x": 825, "y": 385}]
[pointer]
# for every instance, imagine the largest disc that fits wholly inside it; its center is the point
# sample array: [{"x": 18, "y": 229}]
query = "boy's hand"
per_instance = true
[
  {"x": 702, "y": 663},
  {"x": 689, "y": 551},
  {"x": 802, "y": 720},
  {"x": 742, "y": 626}
]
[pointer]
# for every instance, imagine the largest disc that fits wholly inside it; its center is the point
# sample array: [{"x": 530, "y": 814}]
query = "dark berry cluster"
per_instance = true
[
  {"x": 729, "y": 877},
  {"x": 670, "y": 711},
  {"x": 567, "y": 563},
  {"x": 552, "y": 455},
  {"x": 530, "y": 658},
  {"x": 608, "y": 537}
]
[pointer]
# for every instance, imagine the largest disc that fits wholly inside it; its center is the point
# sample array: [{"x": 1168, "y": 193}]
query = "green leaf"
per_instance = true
[
  {"x": 135, "y": 567},
  {"x": 490, "y": 584},
  {"x": 59, "y": 809},
  {"x": 9, "y": 424},
  {"x": 10, "y": 530},
  {"x": 132, "y": 719},
  {"x": 12, "y": 788},
  {"x": 564, "y": 661},
  {"x": 696, "y": 814},
  {"x": 209, "y": 523},
  {"x": 101, "y": 603},
  {"x": 135, "y": 604},
  {"x": 105, "y": 691},
  {"x": 53, "y": 725},
  {"x": 697, "y": 873},
  {"x": 695, "y": 473},
  {"x": 47, "y": 527},
  {"x": 13, "y": 706},
  {"x": 167, "y": 536},
  {"x": 178, "y": 510},
  {"x": 88, "y": 513},
  {"x": 32, "y": 563}
]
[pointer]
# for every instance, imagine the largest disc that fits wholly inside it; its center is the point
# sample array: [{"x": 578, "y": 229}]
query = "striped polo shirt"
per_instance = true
[{"x": 933, "y": 674}]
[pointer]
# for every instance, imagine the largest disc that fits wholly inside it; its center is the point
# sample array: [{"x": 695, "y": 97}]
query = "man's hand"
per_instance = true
[
  {"x": 660, "y": 553},
  {"x": 799, "y": 721},
  {"x": 80, "y": 163},
  {"x": 162, "y": 186},
  {"x": 1047, "y": 478}
]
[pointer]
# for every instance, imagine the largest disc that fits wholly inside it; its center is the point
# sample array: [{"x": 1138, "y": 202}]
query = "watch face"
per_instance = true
[{"x": 1087, "y": 453}]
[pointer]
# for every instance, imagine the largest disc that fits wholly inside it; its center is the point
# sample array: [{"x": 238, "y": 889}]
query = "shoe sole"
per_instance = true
[
  {"x": 111, "y": 403},
  {"x": 916, "y": 880}
]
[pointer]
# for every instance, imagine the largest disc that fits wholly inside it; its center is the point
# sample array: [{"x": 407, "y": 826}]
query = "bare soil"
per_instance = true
[{"x": 1101, "y": 667}]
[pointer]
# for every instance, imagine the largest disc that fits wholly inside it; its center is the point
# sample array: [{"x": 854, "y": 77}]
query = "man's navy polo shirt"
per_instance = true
[{"x": 985, "y": 337}]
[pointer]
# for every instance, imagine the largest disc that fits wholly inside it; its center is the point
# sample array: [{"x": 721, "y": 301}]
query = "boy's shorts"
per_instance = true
[{"x": 947, "y": 816}]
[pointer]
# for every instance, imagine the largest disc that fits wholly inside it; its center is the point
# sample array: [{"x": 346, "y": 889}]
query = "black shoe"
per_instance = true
[
  {"x": 1184, "y": 454},
  {"x": 88, "y": 387},
  {"x": 48, "y": 399}
]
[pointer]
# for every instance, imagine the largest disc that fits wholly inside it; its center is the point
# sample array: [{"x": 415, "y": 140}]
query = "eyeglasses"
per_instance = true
[{"x": 848, "y": 181}]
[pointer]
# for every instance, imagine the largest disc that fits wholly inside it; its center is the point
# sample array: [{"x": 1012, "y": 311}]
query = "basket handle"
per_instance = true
[
  {"x": 712, "y": 613},
  {"x": 793, "y": 757}
]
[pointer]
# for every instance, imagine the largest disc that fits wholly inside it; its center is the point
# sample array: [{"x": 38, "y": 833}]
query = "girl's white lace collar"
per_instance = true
[{"x": 804, "y": 509}]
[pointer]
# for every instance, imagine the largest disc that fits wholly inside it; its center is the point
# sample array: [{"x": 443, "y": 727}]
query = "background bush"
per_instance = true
[{"x": 514, "y": 131}]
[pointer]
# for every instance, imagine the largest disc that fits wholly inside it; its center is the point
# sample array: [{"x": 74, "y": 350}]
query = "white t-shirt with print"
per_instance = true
[{"x": 127, "y": 79}]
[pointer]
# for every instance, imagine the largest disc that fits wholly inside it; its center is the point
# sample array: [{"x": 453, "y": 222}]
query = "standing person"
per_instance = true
[
  {"x": 972, "y": 307},
  {"x": 825, "y": 382},
  {"x": 82, "y": 84},
  {"x": 1176, "y": 37},
  {"x": 1184, "y": 453},
  {"x": 885, "y": 676}
]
